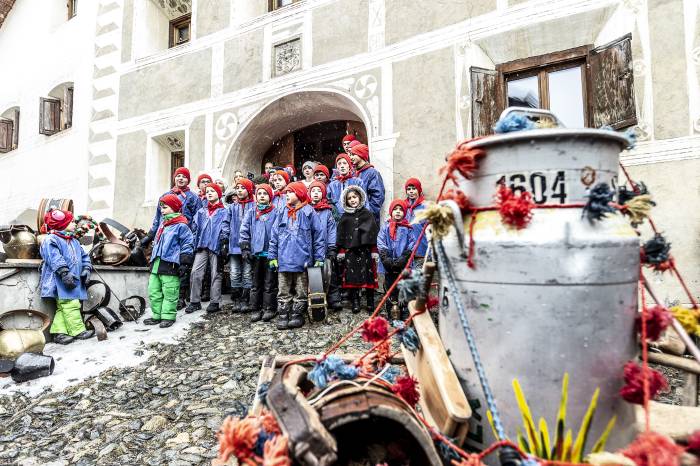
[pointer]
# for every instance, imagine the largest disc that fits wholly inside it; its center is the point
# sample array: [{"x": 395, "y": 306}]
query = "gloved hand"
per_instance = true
[
  {"x": 246, "y": 255},
  {"x": 186, "y": 259},
  {"x": 340, "y": 256},
  {"x": 85, "y": 276},
  {"x": 273, "y": 264},
  {"x": 146, "y": 240},
  {"x": 318, "y": 264},
  {"x": 223, "y": 246},
  {"x": 183, "y": 271},
  {"x": 375, "y": 256},
  {"x": 331, "y": 253},
  {"x": 67, "y": 278}
]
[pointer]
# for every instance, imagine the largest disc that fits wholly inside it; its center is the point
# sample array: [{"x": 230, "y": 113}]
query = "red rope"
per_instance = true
[
  {"x": 683, "y": 284},
  {"x": 645, "y": 358}
]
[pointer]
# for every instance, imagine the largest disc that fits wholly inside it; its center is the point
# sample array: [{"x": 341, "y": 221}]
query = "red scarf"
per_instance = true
[
  {"x": 364, "y": 167},
  {"x": 179, "y": 219},
  {"x": 412, "y": 206},
  {"x": 323, "y": 204},
  {"x": 176, "y": 190},
  {"x": 394, "y": 226},
  {"x": 343, "y": 178},
  {"x": 292, "y": 211},
  {"x": 65, "y": 237},
  {"x": 259, "y": 213},
  {"x": 211, "y": 208}
]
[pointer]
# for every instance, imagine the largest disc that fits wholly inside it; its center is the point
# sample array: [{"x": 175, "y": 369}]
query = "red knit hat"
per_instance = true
[
  {"x": 184, "y": 172},
  {"x": 318, "y": 184},
  {"x": 398, "y": 202},
  {"x": 57, "y": 219},
  {"x": 299, "y": 189},
  {"x": 349, "y": 137},
  {"x": 215, "y": 187},
  {"x": 283, "y": 174},
  {"x": 289, "y": 168},
  {"x": 354, "y": 143},
  {"x": 172, "y": 201},
  {"x": 203, "y": 176},
  {"x": 361, "y": 150},
  {"x": 248, "y": 185},
  {"x": 345, "y": 157},
  {"x": 266, "y": 187},
  {"x": 323, "y": 169},
  {"x": 415, "y": 182}
]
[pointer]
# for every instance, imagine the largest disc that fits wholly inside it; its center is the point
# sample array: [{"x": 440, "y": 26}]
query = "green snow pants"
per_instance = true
[
  {"x": 163, "y": 291},
  {"x": 68, "y": 319}
]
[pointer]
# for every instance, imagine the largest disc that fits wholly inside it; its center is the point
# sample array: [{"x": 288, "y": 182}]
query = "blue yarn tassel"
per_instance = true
[
  {"x": 390, "y": 374},
  {"x": 324, "y": 370},
  {"x": 598, "y": 204},
  {"x": 446, "y": 451},
  {"x": 262, "y": 392},
  {"x": 263, "y": 437},
  {"x": 513, "y": 122},
  {"x": 407, "y": 336}
]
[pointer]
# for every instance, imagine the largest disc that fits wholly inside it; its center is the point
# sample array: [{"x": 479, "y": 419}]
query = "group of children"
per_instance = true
[{"x": 269, "y": 233}]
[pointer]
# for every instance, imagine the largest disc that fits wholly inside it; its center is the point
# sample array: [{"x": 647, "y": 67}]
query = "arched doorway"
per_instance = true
[{"x": 305, "y": 125}]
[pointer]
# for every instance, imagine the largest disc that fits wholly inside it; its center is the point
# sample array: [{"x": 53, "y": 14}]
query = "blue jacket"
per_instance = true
[
  {"x": 175, "y": 240},
  {"x": 207, "y": 230},
  {"x": 297, "y": 244},
  {"x": 335, "y": 189},
  {"x": 423, "y": 247},
  {"x": 236, "y": 212},
  {"x": 394, "y": 248},
  {"x": 374, "y": 187},
  {"x": 58, "y": 252},
  {"x": 190, "y": 206},
  {"x": 329, "y": 227},
  {"x": 257, "y": 231},
  {"x": 280, "y": 202}
]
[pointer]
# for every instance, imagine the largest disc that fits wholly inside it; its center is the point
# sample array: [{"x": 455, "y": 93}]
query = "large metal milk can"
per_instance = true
[{"x": 556, "y": 297}]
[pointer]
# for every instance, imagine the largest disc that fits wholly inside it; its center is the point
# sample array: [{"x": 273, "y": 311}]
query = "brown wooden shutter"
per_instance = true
[
  {"x": 15, "y": 130},
  {"x": 68, "y": 107},
  {"x": 612, "y": 80},
  {"x": 5, "y": 135},
  {"x": 486, "y": 100},
  {"x": 49, "y": 116}
]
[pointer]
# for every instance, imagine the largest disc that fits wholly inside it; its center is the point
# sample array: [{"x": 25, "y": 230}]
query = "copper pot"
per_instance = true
[{"x": 19, "y": 242}]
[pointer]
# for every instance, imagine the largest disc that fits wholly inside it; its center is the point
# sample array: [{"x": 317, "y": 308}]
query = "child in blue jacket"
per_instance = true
[
  {"x": 64, "y": 273},
  {"x": 415, "y": 202},
  {"x": 324, "y": 210},
  {"x": 279, "y": 181},
  {"x": 172, "y": 252},
  {"x": 240, "y": 269},
  {"x": 395, "y": 243},
  {"x": 296, "y": 243},
  {"x": 211, "y": 233},
  {"x": 256, "y": 231},
  {"x": 371, "y": 178},
  {"x": 343, "y": 178}
]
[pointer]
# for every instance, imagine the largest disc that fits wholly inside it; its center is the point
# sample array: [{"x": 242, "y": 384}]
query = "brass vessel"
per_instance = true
[
  {"x": 19, "y": 242},
  {"x": 14, "y": 342}
]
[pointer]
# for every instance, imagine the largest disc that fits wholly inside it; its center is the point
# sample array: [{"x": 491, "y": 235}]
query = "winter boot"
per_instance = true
[
  {"x": 236, "y": 299},
  {"x": 181, "y": 303},
  {"x": 213, "y": 307},
  {"x": 268, "y": 314},
  {"x": 166, "y": 323},
  {"x": 85, "y": 335},
  {"x": 151, "y": 321},
  {"x": 245, "y": 300},
  {"x": 296, "y": 320},
  {"x": 283, "y": 316},
  {"x": 370, "y": 300},
  {"x": 355, "y": 301},
  {"x": 62, "y": 339},
  {"x": 256, "y": 315},
  {"x": 192, "y": 307}
]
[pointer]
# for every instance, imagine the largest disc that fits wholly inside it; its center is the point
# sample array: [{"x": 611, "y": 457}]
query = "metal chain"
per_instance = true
[{"x": 446, "y": 271}]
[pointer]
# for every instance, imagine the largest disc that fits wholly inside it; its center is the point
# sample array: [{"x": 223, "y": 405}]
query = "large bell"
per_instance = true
[{"x": 19, "y": 242}]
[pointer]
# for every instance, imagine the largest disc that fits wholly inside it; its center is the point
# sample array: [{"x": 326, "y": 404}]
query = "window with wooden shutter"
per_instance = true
[
  {"x": 273, "y": 5},
  {"x": 67, "y": 107},
  {"x": 180, "y": 29},
  {"x": 486, "y": 102},
  {"x": 72, "y": 8},
  {"x": 15, "y": 130},
  {"x": 49, "y": 116},
  {"x": 612, "y": 99},
  {"x": 6, "y": 136}
]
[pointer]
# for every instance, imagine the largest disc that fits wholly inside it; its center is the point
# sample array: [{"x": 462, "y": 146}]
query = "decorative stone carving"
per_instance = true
[
  {"x": 174, "y": 8},
  {"x": 366, "y": 86},
  {"x": 226, "y": 126},
  {"x": 287, "y": 57}
]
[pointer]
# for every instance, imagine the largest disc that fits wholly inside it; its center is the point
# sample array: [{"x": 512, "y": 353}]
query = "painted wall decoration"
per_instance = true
[{"x": 287, "y": 57}]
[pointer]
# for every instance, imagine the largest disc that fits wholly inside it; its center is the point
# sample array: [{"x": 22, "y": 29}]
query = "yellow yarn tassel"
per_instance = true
[
  {"x": 638, "y": 208},
  {"x": 439, "y": 217},
  {"x": 688, "y": 318},
  {"x": 545, "y": 123},
  {"x": 609, "y": 459}
]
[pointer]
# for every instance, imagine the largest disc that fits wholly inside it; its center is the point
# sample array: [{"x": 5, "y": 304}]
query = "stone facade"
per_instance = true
[{"x": 401, "y": 68}]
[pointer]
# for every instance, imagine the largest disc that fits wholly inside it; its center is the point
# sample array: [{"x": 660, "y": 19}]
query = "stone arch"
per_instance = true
[{"x": 284, "y": 115}]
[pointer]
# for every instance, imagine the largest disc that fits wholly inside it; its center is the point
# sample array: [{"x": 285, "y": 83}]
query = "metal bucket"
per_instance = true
[
  {"x": 559, "y": 296},
  {"x": 29, "y": 366}
]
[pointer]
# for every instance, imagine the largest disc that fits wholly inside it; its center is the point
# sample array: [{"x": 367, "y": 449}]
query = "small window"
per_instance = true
[
  {"x": 583, "y": 86},
  {"x": 177, "y": 160},
  {"x": 9, "y": 130},
  {"x": 277, "y": 4},
  {"x": 72, "y": 8},
  {"x": 180, "y": 30},
  {"x": 56, "y": 111}
]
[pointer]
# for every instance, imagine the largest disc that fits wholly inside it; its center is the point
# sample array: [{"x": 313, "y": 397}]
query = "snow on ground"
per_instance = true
[{"x": 124, "y": 347}]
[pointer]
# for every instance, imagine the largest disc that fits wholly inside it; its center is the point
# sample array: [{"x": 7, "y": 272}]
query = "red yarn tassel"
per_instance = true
[
  {"x": 658, "y": 319},
  {"x": 652, "y": 449},
  {"x": 407, "y": 388},
  {"x": 374, "y": 330},
  {"x": 633, "y": 391},
  {"x": 462, "y": 160},
  {"x": 694, "y": 443},
  {"x": 515, "y": 210},
  {"x": 276, "y": 452},
  {"x": 238, "y": 437},
  {"x": 458, "y": 196}
]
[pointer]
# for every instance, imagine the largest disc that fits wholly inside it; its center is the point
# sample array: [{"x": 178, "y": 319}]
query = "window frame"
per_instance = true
[
  {"x": 175, "y": 25},
  {"x": 175, "y": 157},
  {"x": 72, "y": 9},
  {"x": 540, "y": 66},
  {"x": 272, "y": 5}
]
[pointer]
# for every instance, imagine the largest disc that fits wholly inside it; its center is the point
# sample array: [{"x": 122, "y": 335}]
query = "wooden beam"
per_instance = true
[{"x": 678, "y": 362}]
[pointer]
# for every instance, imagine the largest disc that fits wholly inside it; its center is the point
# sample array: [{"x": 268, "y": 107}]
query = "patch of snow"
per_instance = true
[{"x": 125, "y": 347}]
